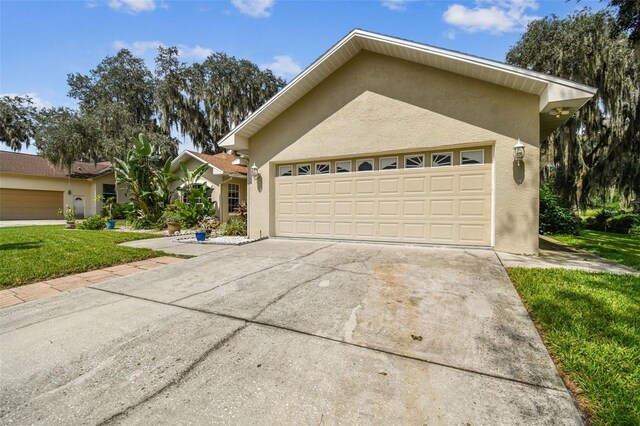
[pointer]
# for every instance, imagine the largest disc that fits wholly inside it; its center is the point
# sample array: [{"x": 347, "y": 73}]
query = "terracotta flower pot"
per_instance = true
[
  {"x": 71, "y": 225},
  {"x": 173, "y": 228}
]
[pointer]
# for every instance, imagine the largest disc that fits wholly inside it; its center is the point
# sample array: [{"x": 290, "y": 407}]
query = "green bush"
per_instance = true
[
  {"x": 554, "y": 218},
  {"x": 234, "y": 226},
  {"x": 118, "y": 210},
  {"x": 623, "y": 223},
  {"x": 635, "y": 230},
  {"x": 94, "y": 223},
  {"x": 599, "y": 221}
]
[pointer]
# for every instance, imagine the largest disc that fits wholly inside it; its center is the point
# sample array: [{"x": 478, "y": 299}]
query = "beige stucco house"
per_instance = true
[
  {"x": 226, "y": 175},
  {"x": 383, "y": 139},
  {"x": 30, "y": 188}
]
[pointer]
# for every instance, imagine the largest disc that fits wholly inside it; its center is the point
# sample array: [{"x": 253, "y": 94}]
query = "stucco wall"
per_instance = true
[{"x": 378, "y": 104}]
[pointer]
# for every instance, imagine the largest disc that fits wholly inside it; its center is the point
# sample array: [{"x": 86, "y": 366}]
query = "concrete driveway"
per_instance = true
[{"x": 286, "y": 332}]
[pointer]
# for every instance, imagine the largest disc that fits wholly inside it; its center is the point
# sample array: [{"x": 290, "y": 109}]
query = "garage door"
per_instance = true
[
  {"x": 22, "y": 204},
  {"x": 442, "y": 202}
]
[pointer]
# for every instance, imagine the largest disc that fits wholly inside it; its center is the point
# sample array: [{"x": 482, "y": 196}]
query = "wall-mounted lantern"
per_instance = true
[
  {"x": 518, "y": 151},
  {"x": 255, "y": 174}
]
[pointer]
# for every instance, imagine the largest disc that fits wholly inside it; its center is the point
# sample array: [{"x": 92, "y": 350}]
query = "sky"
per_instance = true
[{"x": 41, "y": 42}]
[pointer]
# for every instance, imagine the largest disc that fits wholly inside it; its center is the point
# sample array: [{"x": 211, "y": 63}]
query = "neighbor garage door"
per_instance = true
[
  {"x": 436, "y": 202},
  {"x": 23, "y": 204}
]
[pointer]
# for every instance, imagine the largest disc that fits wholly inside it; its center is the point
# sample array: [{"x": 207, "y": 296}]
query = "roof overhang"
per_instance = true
[
  {"x": 180, "y": 158},
  {"x": 552, "y": 91}
]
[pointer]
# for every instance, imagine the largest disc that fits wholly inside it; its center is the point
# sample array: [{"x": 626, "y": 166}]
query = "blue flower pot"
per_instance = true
[
  {"x": 111, "y": 224},
  {"x": 200, "y": 236}
]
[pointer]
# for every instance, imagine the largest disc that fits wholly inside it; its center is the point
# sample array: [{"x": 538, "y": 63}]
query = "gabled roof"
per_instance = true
[
  {"x": 553, "y": 92},
  {"x": 34, "y": 165},
  {"x": 220, "y": 163}
]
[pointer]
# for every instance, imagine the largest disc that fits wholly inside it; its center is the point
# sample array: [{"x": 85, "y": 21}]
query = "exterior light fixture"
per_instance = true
[
  {"x": 518, "y": 151},
  {"x": 254, "y": 171}
]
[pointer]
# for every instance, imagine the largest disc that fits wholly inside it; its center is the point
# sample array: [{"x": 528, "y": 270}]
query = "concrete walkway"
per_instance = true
[
  {"x": 54, "y": 287},
  {"x": 285, "y": 332},
  {"x": 554, "y": 254},
  {"x": 11, "y": 223}
]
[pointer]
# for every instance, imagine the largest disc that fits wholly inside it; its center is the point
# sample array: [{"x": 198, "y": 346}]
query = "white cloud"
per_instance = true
[
  {"x": 142, "y": 48},
  {"x": 38, "y": 102},
  {"x": 450, "y": 34},
  {"x": 255, "y": 8},
  {"x": 132, "y": 6},
  {"x": 395, "y": 5},
  {"x": 283, "y": 66},
  {"x": 494, "y": 16}
]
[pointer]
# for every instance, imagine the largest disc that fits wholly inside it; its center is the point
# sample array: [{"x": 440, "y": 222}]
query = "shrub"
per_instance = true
[
  {"x": 234, "y": 226},
  {"x": 599, "y": 221},
  {"x": 553, "y": 217},
  {"x": 170, "y": 215},
  {"x": 118, "y": 210},
  {"x": 623, "y": 223},
  {"x": 635, "y": 230},
  {"x": 94, "y": 223}
]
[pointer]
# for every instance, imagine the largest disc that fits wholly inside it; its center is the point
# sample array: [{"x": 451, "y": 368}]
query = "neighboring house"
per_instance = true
[
  {"x": 227, "y": 176},
  {"x": 30, "y": 188},
  {"x": 383, "y": 139}
]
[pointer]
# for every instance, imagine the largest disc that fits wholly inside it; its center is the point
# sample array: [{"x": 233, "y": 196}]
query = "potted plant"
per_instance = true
[
  {"x": 201, "y": 233},
  {"x": 209, "y": 223},
  {"x": 108, "y": 207},
  {"x": 171, "y": 217},
  {"x": 69, "y": 216}
]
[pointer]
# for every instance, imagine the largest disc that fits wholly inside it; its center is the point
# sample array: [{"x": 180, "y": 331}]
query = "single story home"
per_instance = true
[
  {"x": 226, "y": 175},
  {"x": 30, "y": 188},
  {"x": 384, "y": 139}
]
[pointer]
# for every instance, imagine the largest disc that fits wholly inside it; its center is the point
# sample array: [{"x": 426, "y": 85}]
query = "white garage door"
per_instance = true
[{"x": 448, "y": 204}]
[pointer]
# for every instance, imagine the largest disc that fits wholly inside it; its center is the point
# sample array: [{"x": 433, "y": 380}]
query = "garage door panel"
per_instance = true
[
  {"x": 24, "y": 204},
  {"x": 448, "y": 205}
]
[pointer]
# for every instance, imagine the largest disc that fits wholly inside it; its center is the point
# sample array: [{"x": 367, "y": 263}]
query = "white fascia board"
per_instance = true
[{"x": 561, "y": 95}]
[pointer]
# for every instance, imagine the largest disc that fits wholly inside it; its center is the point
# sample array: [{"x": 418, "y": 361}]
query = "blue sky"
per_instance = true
[{"x": 43, "y": 41}]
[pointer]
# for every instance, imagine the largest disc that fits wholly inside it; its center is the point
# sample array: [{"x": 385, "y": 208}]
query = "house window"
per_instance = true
[
  {"x": 233, "y": 197},
  {"x": 389, "y": 163},
  {"x": 414, "y": 161},
  {"x": 322, "y": 168},
  {"x": 469, "y": 158},
  {"x": 285, "y": 171},
  {"x": 185, "y": 192},
  {"x": 304, "y": 169},
  {"x": 364, "y": 165},
  {"x": 442, "y": 159},
  {"x": 108, "y": 191},
  {"x": 343, "y": 166}
]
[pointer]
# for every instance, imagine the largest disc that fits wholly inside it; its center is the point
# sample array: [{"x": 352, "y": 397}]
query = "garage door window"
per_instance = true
[
  {"x": 414, "y": 161},
  {"x": 389, "y": 163},
  {"x": 285, "y": 171},
  {"x": 442, "y": 160},
  {"x": 304, "y": 169},
  {"x": 322, "y": 168},
  {"x": 364, "y": 165},
  {"x": 470, "y": 158},
  {"x": 343, "y": 166}
]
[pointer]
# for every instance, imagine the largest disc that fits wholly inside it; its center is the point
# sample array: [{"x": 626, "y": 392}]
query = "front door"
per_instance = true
[{"x": 78, "y": 207}]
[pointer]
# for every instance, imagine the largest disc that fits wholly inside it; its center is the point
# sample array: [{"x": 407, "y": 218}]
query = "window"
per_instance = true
[
  {"x": 285, "y": 171},
  {"x": 108, "y": 191},
  {"x": 322, "y": 168},
  {"x": 442, "y": 160},
  {"x": 389, "y": 163},
  {"x": 469, "y": 158},
  {"x": 185, "y": 192},
  {"x": 414, "y": 161},
  {"x": 364, "y": 165},
  {"x": 343, "y": 166},
  {"x": 304, "y": 169},
  {"x": 234, "y": 197}
]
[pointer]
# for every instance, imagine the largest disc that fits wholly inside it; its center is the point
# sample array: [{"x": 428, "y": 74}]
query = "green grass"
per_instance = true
[
  {"x": 591, "y": 324},
  {"x": 620, "y": 248},
  {"x": 34, "y": 253}
]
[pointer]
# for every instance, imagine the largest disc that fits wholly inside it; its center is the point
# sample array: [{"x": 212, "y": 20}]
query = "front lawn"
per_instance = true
[
  {"x": 35, "y": 253},
  {"x": 591, "y": 324},
  {"x": 620, "y": 248}
]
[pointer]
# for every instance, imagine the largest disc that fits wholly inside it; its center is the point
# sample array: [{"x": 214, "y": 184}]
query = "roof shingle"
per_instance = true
[
  {"x": 34, "y": 165},
  {"x": 222, "y": 161}
]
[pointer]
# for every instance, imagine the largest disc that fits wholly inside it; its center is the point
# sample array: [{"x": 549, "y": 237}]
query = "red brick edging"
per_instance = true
[{"x": 25, "y": 293}]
